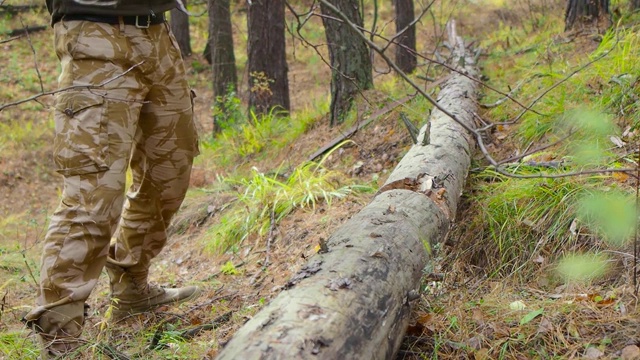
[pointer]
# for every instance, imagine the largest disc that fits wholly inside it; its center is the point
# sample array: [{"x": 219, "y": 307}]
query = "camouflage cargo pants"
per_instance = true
[{"x": 131, "y": 107}]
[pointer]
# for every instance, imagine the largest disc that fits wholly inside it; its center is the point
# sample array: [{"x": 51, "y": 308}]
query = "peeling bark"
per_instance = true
[{"x": 354, "y": 301}]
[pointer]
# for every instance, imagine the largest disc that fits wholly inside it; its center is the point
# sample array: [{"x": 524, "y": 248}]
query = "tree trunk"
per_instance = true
[
  {"x": 219, "y": 53},
  {"x": 268, "y": 82},
  {"x": 586, "y": 13},
  {"x": 635, "y": 4},
  {"x": 353, "y": 302},
  {"x": 180, "y": 28},
  {"x": 349, "y": 56},
  {"x": 406, "y": 41}
]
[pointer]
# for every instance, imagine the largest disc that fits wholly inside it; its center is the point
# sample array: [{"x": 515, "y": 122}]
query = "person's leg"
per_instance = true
[
  {"x": 166, "y": 143},
  {"x": 94, "y": 130}
]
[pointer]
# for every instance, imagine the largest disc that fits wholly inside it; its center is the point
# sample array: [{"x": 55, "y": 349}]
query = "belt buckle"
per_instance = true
[{"x": 139, "y": 26}]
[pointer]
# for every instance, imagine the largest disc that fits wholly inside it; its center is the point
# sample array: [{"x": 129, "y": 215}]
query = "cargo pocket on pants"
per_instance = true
[{"x": 81, "y": 144}]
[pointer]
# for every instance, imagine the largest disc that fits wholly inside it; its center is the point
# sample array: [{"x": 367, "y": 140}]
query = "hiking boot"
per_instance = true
[
  {"x": 57, "y": 329},
  {"x": 131, "y": 293}
]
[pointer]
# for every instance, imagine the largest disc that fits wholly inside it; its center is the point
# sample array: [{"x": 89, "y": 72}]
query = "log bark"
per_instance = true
[
  {"x": 180, "y": 28},
  {"x": 406, "y": 58},
  {"x": 15, "y": 9},
  {"x": 219, "y": 53},
  {"x": 268, "y": 69},
  {"x": 351, "y": 66},
  {"x": 587, "y": 13},
  {"x": 353, "y": 302}
]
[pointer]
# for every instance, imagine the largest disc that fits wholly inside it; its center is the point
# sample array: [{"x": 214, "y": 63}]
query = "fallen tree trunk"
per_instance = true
[
  {"x": 353, "y": 302},
  {"x": 15, "y": 9},
  {"x": 25, "y": 30}
]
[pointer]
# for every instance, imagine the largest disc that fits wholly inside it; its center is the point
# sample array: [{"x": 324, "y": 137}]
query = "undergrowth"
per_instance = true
[{"x": 264, "y": 200}]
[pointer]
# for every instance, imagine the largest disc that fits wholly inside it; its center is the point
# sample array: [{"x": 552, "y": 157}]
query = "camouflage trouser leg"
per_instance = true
[{"x": 137, "y": 112}]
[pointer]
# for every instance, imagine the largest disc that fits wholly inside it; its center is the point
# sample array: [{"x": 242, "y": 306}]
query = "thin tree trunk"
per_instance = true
[
  {"x": 353, "y": 302},
  {"x": 349, "y": 55},
  {"x": 587, "y": 13},
  {"x": 268, "y": 82},
  {"x": 219, "y": 53},
  {"x": 180, "y": 28},
  {"x": 635, "y": 4},
  {"x": 406, "y": 43}
]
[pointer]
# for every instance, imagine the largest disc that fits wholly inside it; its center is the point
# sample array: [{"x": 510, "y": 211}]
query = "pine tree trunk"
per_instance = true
[
  {"x": 586, "y": 13},
  {"x": 268, "y": 82},
  {"x": 406, "y": 43},
  {"x": 219, "y": 53},
  {"x": 349, "y": 55},
  {"x": 180, "y": 28}
]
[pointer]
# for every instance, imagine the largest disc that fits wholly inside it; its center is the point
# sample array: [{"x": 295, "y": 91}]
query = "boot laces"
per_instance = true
[{"x": 140, "y": 282}]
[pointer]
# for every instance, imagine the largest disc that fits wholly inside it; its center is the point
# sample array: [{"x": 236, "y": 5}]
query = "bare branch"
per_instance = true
[
  {"x": 73, "y": 87},
  {"x": 415, "y": 21},
  {"x": 10, "y": 39},
  {"x": 35, "y": 56},
  {"x": 476, "y": 133},
  {"x": 512, "y": 92},
  {"x": 373, "y": 46},
  {"x": 535, "y": 150},
  {"x": 535, "y": 101}
]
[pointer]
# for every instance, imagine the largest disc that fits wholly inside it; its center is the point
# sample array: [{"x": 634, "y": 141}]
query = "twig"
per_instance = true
[
  {"x": 535, "y": 150},
  {"x": 548, "y": 90},
  {"x": 412, "y": 23},
  {"x": 24, "y": 258},
  {"x": 10, "y": 39},
  {"x": 193, "y": 332},
  {"x": 412, "y": 129},
  {"x": 437, "y": 62},
  {"x": 512, "y": 92},
  {"x": 270, "y": 238},
  {"x": 635, "y": 240},
  {"x": 361, "y": 125},
  {"x": 111, "y": 352},
  {"x": 73, "y": 87},
  {"x": 35, "y": 56},
  {"x": 496, "y": 167},
  {"x": 477, "y": 134},
  {"x": 396, "y": 68}
]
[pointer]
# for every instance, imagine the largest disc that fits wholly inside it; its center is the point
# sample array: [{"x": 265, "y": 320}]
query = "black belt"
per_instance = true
[{"x": 141, "y": 21}]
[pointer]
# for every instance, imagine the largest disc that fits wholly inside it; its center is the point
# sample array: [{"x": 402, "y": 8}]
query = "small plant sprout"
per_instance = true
[{"x": 229, "y": 269}]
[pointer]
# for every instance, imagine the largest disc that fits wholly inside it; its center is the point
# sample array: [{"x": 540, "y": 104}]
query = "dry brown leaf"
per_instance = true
[
  {"x": 425, "y": 319},
  {"x": 631, "y": 352},
  {"x": 545, "y": 326},
  {"x": 617, "y": 141},
  {"x": 620, "y": 176},
  {"x": 500, "y": 330},
  {"x": 593, "y": 353},
  {"x": 482, "y": 354},
  {"x": 475, "y": 342},
  {"x": 415, "y": 330},
  {"x": 477, "y": 315}
]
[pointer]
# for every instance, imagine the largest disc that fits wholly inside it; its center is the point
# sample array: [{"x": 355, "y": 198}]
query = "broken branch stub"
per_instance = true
[{"x": 353, "y": 302}]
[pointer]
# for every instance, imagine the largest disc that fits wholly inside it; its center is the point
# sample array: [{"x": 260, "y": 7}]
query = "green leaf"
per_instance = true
[
  {"x": 530, "y": 316},
  {"x": 611, "y": 214},
  {"x": 583, "y": 266}
]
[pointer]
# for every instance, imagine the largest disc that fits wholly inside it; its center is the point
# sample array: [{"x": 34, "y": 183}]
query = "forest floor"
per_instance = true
[{"x": 470, "y": 308}]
